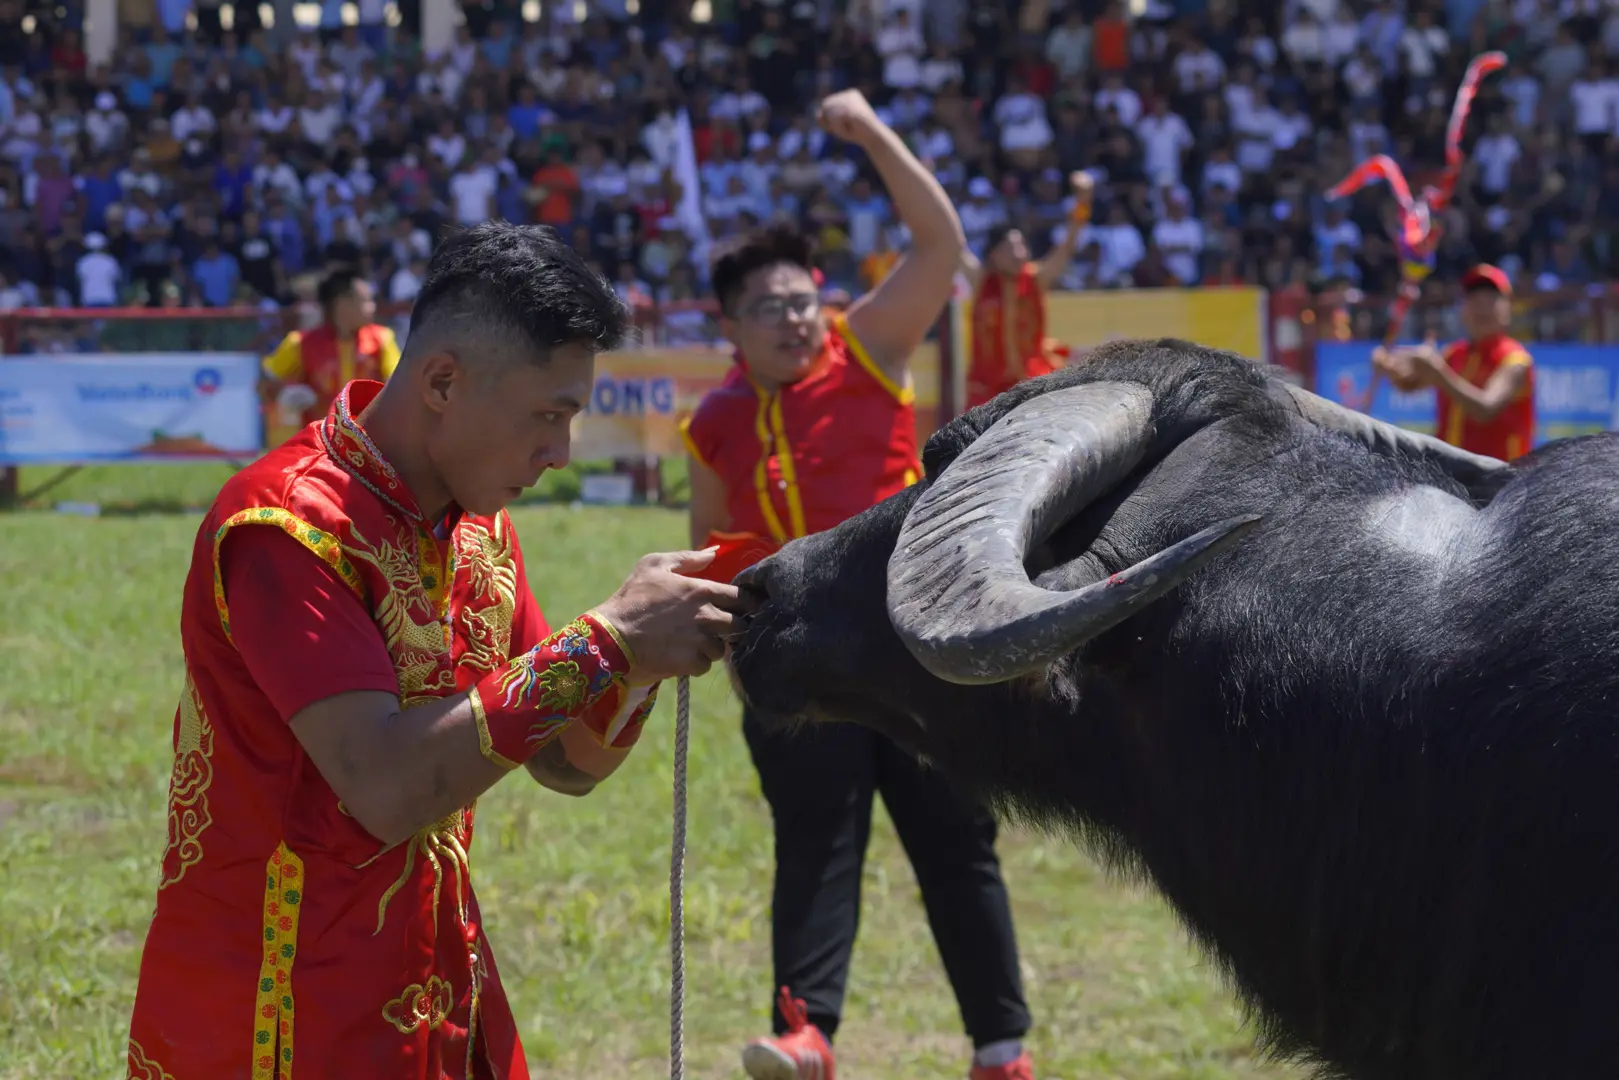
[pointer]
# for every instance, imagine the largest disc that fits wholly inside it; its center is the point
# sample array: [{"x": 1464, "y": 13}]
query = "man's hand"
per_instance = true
[
  {"x": 1082, "y": 183},
  {"x": 1426, "y": 364},
  {"x": 674, "y": 625},
  {"x": 849, "y": 116},
  {"x": 1408, "y": 369}
]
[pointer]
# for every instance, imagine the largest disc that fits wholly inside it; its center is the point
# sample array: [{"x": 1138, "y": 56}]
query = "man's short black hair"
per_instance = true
[
  {"x": 756, "y": 250},
  {"x": 336, "y": 285},
  {"x": 521, "y": 281}
]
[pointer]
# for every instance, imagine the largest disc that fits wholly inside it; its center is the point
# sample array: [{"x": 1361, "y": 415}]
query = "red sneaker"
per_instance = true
[
  {"x": 801, "y": 1054},
  {"x": 1021, "y": 1069}
]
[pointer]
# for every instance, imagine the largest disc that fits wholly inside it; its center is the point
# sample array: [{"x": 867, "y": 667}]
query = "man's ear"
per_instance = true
[{"x": 441, "y": 376}]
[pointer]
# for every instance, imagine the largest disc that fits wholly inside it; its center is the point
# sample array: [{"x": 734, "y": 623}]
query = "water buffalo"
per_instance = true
[{"x": 1346, "y": 696}]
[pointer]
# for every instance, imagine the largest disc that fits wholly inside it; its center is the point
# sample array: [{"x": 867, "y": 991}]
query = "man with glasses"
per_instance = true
[{"x": 813, "y": 425}]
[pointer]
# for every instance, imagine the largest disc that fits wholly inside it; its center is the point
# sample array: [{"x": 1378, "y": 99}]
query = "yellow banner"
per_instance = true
[
  {"x": 1222, "y": 318},
  {"x": 641, "y": 395}
]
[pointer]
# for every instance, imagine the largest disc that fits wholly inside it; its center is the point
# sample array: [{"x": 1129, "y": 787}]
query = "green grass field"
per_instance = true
[{"x": 575, "y": 890}]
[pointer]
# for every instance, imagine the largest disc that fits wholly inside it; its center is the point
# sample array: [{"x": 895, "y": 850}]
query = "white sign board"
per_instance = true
[{"x": 80, "y": 409}]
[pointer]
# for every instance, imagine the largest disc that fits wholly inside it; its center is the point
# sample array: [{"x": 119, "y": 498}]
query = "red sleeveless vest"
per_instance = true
[
  {"x": 323, "y": 362},
  {"x": 814, "y": 453}
]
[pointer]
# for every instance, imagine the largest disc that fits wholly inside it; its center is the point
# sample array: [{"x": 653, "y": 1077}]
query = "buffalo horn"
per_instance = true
[
  {"x": 1464, "y": 467},
  {"x": 959, "y": 593}
]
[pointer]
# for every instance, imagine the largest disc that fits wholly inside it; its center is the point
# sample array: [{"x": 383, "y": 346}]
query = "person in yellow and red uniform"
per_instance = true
[
  {"x": 363, "y": 660},
  {"x": 347, "y": 345},
  {"x": 1009, "y": 342},
  {"x": 813, "y": 425},
  {"x": 1485, "y": 384}
]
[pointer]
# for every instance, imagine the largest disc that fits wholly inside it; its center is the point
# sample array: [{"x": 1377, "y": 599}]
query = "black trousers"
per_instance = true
[{"x": 819, "y": 784}]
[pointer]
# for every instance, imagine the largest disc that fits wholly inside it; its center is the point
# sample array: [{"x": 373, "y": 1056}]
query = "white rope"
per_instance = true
[{"x": 677, "y": 884}]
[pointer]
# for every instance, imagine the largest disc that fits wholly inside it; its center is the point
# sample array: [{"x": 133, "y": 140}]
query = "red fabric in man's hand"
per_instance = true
[{"x": 737, "y": 552}]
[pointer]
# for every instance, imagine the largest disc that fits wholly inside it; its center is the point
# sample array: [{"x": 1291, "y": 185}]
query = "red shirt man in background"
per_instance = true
[
  {"x": 813, "y": 425},
  {"x": 1485, "y": 384},
  {"x": 308, "y": 368},
  {"x": 1009, "y": 342},
  {"x": 363, "y": 660}
]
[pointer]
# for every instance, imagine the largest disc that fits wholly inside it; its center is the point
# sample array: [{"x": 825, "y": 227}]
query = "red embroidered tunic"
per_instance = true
[
  {"x": 814, "y": 453},
  {"x": 281, "y": 924},
  {"x": 1512, "y": 433}
]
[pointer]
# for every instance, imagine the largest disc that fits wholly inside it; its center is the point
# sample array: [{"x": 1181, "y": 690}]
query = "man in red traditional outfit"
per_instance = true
[
  {"x": 1009, "y": 342},
  {"x": 813, "y": 425},
  {"x": 363, "y": 660},
  {"x": 309, "y": 367},
  {"x": 1485, "y": 384}
]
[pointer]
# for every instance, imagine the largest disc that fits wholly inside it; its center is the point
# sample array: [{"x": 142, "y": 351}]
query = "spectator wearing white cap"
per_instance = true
[
  {"x": 104, "y": 125},
  {"x": 760, "y": 166},
  {"x": 981, "y": 212},
  {"x": 98, "y": 274}
]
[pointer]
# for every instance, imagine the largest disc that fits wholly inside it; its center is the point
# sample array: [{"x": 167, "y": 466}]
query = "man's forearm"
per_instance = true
[
  {"x": 1474, "y": 401},
  {"x": 918, "y": 199},
  {"x": 575, "y": 761},
  {"x": 442, "y": 755}
]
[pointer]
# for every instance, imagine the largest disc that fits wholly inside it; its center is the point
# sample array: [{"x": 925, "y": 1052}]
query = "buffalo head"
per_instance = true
[{"x": 1050, "y": 516}]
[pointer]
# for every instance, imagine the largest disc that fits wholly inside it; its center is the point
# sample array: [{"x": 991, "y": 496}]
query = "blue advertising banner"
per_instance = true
[
  {"x": 78, "y": 409},
  {"x": 1576, "y": 388}
]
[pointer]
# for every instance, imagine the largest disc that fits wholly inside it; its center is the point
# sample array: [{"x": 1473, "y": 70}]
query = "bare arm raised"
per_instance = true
[{"x": 894, "y": 318}]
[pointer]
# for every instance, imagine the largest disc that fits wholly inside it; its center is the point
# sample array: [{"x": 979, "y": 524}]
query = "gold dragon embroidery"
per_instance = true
[
  {"x": 440, "y": 843},
  {"x": 492, "y": 573},
  {"x": 418, "y": 638},
  {"x": 189, "y": 780}
]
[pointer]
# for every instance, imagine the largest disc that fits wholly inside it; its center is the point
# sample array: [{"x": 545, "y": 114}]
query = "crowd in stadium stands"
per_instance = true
[{"x": 214, "y": 167}]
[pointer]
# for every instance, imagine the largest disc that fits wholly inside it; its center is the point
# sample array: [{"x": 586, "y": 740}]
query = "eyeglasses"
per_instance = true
[{"x": 768, "y": 309}]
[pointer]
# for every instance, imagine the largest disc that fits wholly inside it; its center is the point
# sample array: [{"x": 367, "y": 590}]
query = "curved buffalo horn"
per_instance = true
[
  {"x": 959, "y": 594},
  {"x": 1466, "y": 468}
]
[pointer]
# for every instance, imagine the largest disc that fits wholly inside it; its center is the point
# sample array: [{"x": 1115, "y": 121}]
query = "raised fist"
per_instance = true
[{"x": 849, "y": 116}]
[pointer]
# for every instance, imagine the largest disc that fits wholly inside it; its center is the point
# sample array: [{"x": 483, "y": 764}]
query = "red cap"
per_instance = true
[{"x": 1485, "y": 274}]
